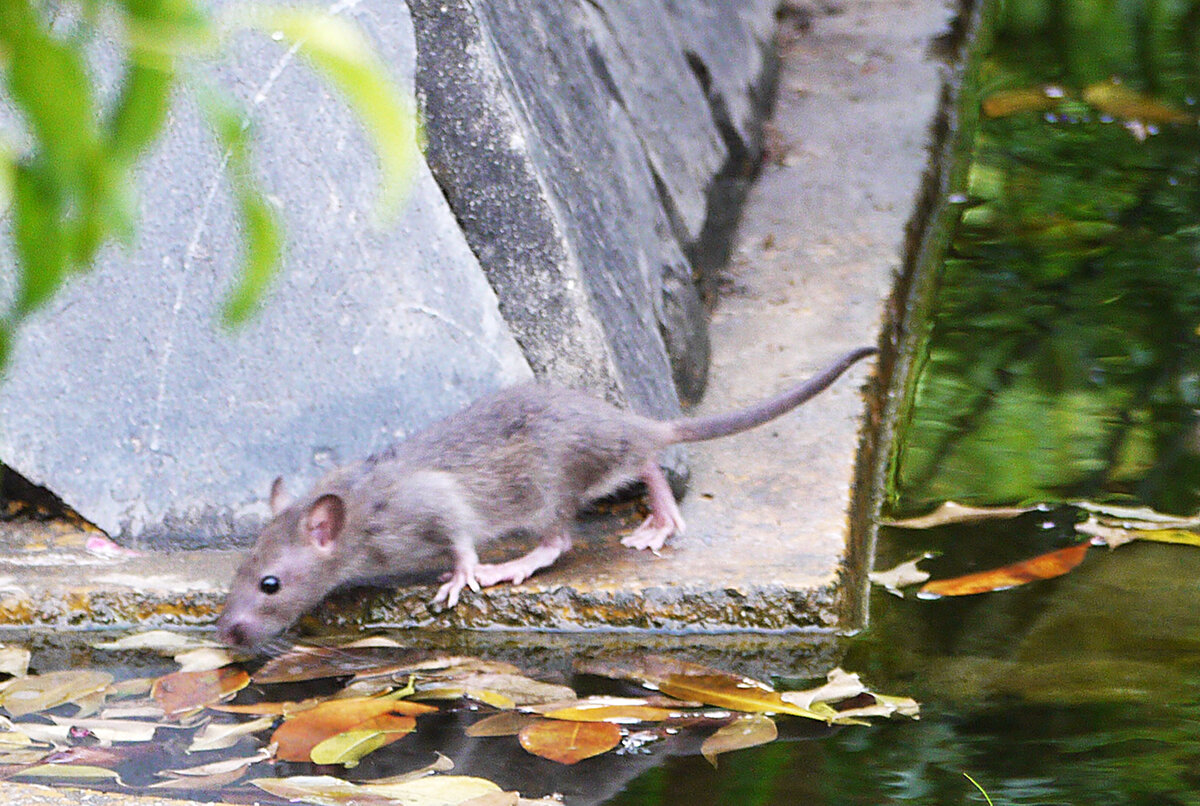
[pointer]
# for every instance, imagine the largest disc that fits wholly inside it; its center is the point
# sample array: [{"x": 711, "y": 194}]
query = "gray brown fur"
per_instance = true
[{"x": 523, "y": 459}]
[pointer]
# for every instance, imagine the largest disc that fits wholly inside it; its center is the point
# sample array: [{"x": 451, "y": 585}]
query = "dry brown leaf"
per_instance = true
[
  {"x": 901, "y": 576},
  {"x": 748, "y": 730},
  {"x": 182, "y": 692},
  {"x": 1044, "y": 566},
  {"x": 218, "y": 736},
  {"x": 29, "y": 695},
  {"x": 569, "y": 742},
  {"x": 507, "y": 723},
  {"x": 297, "y": 736}
]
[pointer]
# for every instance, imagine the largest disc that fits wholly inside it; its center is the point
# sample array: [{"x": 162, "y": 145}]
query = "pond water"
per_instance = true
[{"x": 1054, "y": 365}]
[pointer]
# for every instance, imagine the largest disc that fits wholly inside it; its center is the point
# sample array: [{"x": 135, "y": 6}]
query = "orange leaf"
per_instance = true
[
  {"x": 569, "y": 742},
  {"x": 301, "y": 732},
  {"x": 1044, "y": 566},
  {"x": 180, "y": 692},
  {"x": 267, "y": 708}
]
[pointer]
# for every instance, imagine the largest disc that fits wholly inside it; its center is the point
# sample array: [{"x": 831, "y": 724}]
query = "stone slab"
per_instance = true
[{"x": 127, "y": 400}]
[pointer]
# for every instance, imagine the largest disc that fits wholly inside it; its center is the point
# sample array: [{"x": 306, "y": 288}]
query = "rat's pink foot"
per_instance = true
[
  {"x": 518, "y": 570},
  {"x": 664, "y": 519},
  {"x": 466, "y": 565}
]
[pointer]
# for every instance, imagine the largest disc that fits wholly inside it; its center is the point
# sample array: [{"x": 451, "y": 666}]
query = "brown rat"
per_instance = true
[{"x": 525, "y": 458}]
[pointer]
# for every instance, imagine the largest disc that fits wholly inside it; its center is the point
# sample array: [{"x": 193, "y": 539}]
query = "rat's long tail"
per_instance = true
[{"x": 698, "y": 429}]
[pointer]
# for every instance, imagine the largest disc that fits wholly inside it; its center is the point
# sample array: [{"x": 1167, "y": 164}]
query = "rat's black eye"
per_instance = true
[{"x": 269, "y": 585}]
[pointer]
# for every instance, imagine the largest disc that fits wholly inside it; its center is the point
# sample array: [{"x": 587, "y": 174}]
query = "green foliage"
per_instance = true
[
  {"x": 1062, "y": 351},
  {"x": 71, "y": 184}
]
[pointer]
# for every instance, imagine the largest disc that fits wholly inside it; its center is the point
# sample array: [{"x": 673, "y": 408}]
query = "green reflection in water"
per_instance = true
[{"x": 1060, "y": 357}]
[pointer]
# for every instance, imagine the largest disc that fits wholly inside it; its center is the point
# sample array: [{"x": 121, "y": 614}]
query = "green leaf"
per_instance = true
[
  {"x": 338, "y": 50},
  {"x": 264, "y": 242}
]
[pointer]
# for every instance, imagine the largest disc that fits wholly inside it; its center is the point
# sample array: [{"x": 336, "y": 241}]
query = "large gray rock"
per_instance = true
[{"x": 127, "y": 401}]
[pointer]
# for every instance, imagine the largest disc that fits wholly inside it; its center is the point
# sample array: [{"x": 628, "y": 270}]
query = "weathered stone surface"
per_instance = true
[
  {"x": 591, "y": 185},
  {"x": 127, "y": 401}
]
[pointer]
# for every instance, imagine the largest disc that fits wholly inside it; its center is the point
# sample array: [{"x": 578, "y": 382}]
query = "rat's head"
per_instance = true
[{"x": 291, "y": 568}]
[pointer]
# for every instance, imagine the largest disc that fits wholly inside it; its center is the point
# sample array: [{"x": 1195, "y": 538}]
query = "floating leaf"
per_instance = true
[
  {"x": 158, "y": 640},
  {"x": 1137, "y": 517},
  {"x": 218, "y": 780},
  {"x": 694, "y": 682},
  {"x": 954, "y": 512},
  {"x": 113, "y": 730},
  {"x": 224, "y": 766},
  {"x": 181, "y": 692},
  {"x": 901, "y": 576},
  {"x": 498, "y": 689},
  {"x": 492, "y": 698},
  {"x": 1044, "y": 566},
  {"x": 508, "y": 723},
  {"x": 748, "y": 730},
  {"x": 70, "y": 772},
  {"x": 1026, "y": 99},
  {"x": 885, "y": 705},
  {"x": 1125, "y": 103},
  {"x": 29, "y": 695},
  {"x": 606, "y": 709},
  {"x": 134, "y": 687},
  {"x": 569, "y": 742},
  {"x": 840, "y": 685},
  {"x": 214, "y": 736},
  {"x": 436, "y": 790},
  {"x": 287, "y": 708},
  {"x": 14, "y": 660},
  {"x": 440, "y": 764},
  {"x": 303, "y": 663},
  {"x": 349, "y": 747},
  {"x": 204, "y": 659},
  {"x": 298, "y": 735}
]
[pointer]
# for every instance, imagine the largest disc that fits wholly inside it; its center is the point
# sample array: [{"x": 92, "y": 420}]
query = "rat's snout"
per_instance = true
[{"x": 233, "y": 632}]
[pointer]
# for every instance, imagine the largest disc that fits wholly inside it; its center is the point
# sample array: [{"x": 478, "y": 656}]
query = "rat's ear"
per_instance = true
[
  {"x": 324, "y": 520},
  {"x": 279, "y": 496}
]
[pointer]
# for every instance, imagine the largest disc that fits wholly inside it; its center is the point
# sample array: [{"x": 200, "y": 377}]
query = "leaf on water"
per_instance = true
[
  {"x": 507, "y": 723},
  {"x": 287, "y": 708},
  {"x": 440, "y": 764},
  {"x": 113, "y": 730},
  {"x": 748, "y": 730},
  {"x": 436, "y": 790},
  {"x": 901, "y": 576},
  {"x": 840, "y": 685},
  {"x": 14, "y": 660},
  {"x": 298, "y": 734},
  {"x": 148, "y": 710},
  {"x": 503, "y": 799},
  {"x": 1137, "y": 517},
  {"x": 303, "y": 663},
  {"x": 1126, "y": 103},
  {"x": 69, "y": 772},
  {"x": 219, "y": 767},
  {"x": 349, "y": 747},
  {"x": 214, "y": 736},
  {"x": 1044, "y": 566},
  {"x": 499, "y": 689},
  {"x": 1116, "y": 536},
  {"x": 29, "y": 695},
  {"x": 605, "y": 709},
  {"x": 695, "y": 682},
  {"x": 1025, "y": 99},
  {"x": 163, "y": 641},
  {"x": 134, "y": 687},
  {"x": 885, "y": 705},
  {"x": 182, "y": 692},
  {"x": 569, "y": 742},
  {"x": 954, "y": 512},
  {"x": 23, "y": 757},
  {"x": 218, "y": 780},
  {"x": 205, "y": 659}
]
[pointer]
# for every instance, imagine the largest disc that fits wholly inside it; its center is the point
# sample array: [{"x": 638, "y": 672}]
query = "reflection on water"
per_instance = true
[{"x": 1060, "y": 359}]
